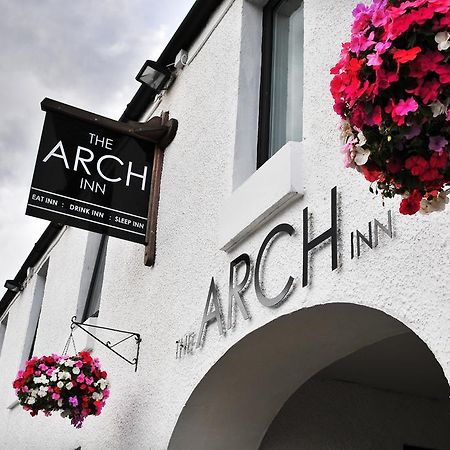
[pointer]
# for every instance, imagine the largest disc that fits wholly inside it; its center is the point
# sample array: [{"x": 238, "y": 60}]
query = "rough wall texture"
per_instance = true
[
  {"x": 331, "y": 415},
  {"x": 405, "y": 277}
]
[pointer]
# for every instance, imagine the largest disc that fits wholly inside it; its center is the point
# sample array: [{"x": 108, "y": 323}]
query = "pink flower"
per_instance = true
[
  {"x": 88, "y": 380},
  {"x": 73, "y": 401},
  {"x": 55, "y": 396},
  {"x": 404, "y": 107},
  {"x": 80, "y": 378},
  {"x": 374, "y": 59},
  {"x": 360, "y": 9},
  {"x": 381, "y": 47},
  {"x": 380, "y": 17},
  {"x": 362, "y": 43}
]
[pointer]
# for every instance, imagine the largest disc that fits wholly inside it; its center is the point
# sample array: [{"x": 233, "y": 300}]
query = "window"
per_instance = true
[
  {"x": 92, "y": 304},
  {"x": 35, "y": 313},
  {"x": 3, "y": 325},
  {"x": 281, "y": 95}
]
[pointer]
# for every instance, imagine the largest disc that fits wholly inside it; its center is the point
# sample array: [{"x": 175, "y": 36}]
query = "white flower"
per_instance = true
[
  {"x": 69, "y": 363},
  {"x": 53, "y": 377},
  {"x": 69, "y": 385},
  {"x": 438, "y": 108},
  {"x": 97, "y": 396},
  {"x": 33, "y": 392},
  {"x": 76, "y": 370},
  {"x": 64, "y": 375},
  {"x": 361, "y": 139},
  {"x": 60, "y": 402},
  {"x": 102, "y": 383},
  {"x": 40, "y": 380},
  {"x": 360, "y": 155},
  {"x": 42, "y": 391},
  {"x": 443, "y": 40},
  {"x": 60, "y": 384},
  {"x": 31, "y": 400},
  {"x": 435, "y": 204}
]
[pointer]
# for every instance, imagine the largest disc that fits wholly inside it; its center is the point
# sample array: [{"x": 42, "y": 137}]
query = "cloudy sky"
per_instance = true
[{"x": 82, "y": 52}]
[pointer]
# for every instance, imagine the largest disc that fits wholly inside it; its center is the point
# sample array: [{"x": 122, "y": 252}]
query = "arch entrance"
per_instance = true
[{"x": 304, "y": 376}]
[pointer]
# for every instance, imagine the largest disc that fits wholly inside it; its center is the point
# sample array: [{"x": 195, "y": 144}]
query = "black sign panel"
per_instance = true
[{"x": 92, "y": 178}]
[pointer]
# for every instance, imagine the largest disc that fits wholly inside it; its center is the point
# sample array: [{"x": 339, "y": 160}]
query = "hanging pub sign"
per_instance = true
[{"x": 95, "y": 173}]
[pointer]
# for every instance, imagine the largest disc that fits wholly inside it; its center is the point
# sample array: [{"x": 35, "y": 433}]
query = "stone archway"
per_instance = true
[{"x": 237, "y": 400}]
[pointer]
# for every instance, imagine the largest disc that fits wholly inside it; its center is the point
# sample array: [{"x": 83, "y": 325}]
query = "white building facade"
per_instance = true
[{"x": 329, "y": 346}]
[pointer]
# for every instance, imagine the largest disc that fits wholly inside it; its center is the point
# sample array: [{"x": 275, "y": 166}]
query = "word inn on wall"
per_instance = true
[{"x": 213, "y": 309}]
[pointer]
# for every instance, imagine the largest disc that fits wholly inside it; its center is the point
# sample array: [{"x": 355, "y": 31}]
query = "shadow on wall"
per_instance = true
[{"x": 343, "y": 345}]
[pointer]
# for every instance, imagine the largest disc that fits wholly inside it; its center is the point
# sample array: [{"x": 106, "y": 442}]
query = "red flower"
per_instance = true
[
  {"x": 439, "y": 160},
  {"x": 430, "y": 175},
  {"x": 394, "y": 99},
  {"x": 411, "y": 204},
  {"x": 377, "y": 116},
  {"x": 87, "y": 358},
  {"x": 404, "y": 56},
  {"x": 416, "y": 165},
  {"x": 429, "y": 91},
  {"x": 371, "y": 173}
]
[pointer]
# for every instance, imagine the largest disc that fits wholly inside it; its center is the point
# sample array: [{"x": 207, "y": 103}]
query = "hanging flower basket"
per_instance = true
[
  {"x": 74, "y": 385},
  {"x": 391, "y": 87}
]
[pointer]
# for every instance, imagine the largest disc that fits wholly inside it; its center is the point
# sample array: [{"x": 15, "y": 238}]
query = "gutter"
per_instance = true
[{"x": 187, "y": 32}]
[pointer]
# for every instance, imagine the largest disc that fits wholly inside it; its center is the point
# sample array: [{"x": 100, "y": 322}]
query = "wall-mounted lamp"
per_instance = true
[
  {"x": 153, "y": 75},
  {"x": 13, "y": 285}
]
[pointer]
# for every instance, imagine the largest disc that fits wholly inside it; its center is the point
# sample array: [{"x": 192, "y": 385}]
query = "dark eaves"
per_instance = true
[{"x": 187, "y": 32}]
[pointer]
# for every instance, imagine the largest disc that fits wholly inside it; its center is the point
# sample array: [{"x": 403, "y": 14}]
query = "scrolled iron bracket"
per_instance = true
[{"x": 108, "y": 344}]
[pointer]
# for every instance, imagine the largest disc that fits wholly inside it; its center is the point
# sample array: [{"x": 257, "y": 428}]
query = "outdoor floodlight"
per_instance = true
[
  {"x": 13, "y": 286},
  {"x": 153, "y": 75}
]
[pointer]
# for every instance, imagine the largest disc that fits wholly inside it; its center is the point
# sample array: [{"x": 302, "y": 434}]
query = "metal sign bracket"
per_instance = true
[{"x": 108, "y": 344}]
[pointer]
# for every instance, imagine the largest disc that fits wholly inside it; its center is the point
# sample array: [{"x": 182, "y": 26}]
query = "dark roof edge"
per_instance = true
[
  {"x": 192, "y": 25},
  {"x": 187, "y": 32},
  {"x": 38, "y": 251}
]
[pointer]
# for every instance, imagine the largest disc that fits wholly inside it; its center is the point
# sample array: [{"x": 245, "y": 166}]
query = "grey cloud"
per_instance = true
[{"x": 80, "y": 52}]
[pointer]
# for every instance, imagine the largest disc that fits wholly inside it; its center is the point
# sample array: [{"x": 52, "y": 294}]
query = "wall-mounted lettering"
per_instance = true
[{"x": 213, "y": 312}]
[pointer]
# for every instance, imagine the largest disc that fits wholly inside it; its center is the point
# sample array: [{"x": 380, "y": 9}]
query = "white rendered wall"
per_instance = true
[{"x": 405, "y": 277}]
